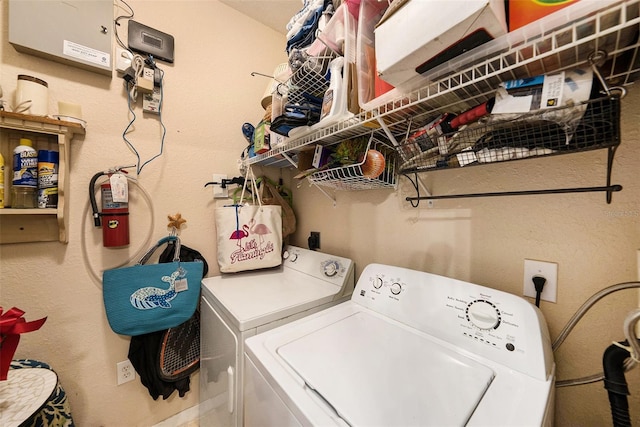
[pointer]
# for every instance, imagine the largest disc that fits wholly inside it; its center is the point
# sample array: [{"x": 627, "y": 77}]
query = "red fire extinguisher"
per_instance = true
[{"x": 114, "y": 218}]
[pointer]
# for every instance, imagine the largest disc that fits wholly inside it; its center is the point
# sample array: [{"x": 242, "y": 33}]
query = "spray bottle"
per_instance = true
[
  {"x": 334, "y": 103},
  {"x": 25, "y": 175}
]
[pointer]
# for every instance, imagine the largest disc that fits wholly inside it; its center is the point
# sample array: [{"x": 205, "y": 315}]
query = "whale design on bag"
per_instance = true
[{"x": 152, "y": 297}]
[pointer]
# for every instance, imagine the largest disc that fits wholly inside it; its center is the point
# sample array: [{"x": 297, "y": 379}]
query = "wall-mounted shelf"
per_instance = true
[
  {"x": 586, "y": 126},
  {"x": 36, "y": 225},
  {"x": 609, "y": 30}
]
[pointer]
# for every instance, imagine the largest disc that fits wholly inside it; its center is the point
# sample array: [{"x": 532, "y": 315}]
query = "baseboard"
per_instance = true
[{"x": 182, "y": 418}]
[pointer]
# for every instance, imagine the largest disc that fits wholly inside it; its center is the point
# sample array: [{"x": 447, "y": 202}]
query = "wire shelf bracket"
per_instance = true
[{"x": 608, "y": 188}]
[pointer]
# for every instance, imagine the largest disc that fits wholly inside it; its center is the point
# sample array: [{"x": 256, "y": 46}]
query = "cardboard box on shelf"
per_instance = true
[{"x": 305, "y": 159}]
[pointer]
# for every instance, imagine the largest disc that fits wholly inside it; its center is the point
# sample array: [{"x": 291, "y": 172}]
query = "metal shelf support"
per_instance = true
[{"x": 609, "y": 188}]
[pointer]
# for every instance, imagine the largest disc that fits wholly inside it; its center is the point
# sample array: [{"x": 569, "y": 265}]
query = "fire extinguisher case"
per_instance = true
[{"x": 114, "y": 218}]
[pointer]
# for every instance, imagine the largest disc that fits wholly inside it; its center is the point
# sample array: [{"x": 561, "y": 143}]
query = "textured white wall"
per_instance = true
[{"x": 209, "y": 93}]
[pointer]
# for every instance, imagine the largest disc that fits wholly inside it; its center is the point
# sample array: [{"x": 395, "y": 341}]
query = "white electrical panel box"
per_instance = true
[{"x": 74, "y": 32}]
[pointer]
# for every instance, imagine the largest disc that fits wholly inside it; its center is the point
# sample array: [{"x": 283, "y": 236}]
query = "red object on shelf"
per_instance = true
[
  {"x": 381, "y": 87},
  {"x": 473, "y": 114}
]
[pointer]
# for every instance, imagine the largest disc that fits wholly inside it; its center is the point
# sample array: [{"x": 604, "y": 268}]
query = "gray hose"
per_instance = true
[{"x": 628, "y": 364}]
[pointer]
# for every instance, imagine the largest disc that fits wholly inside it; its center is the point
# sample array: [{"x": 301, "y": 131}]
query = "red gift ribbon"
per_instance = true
[{"x": 12, "y": 324}]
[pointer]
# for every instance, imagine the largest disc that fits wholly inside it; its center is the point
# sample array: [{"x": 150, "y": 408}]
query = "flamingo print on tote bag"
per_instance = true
[
  {"x": 258, "y": 242},
  {"x": 249, "y": 237}
]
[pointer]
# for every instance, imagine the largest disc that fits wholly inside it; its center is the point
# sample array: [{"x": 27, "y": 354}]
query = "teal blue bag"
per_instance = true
[{"x": 148, "y": 298}]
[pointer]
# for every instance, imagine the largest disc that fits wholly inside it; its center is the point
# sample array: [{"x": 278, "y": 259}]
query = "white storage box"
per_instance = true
[{"x": 423, "y": 34}]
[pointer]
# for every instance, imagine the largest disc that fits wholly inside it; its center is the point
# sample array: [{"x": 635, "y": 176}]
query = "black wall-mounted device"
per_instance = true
[{"x": 143, "y": 39}]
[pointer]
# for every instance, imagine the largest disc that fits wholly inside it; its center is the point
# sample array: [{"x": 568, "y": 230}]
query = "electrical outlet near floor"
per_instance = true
[
  {"x": 548, "y": 270},
  {"x": 125, "y": 372}
]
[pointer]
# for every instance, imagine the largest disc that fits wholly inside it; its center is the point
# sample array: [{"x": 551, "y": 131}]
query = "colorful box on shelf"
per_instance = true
[
  {"x": 570, "y": 87},
  {"x": 523, "y": 12},
  {"x": 261, "y": 138}
]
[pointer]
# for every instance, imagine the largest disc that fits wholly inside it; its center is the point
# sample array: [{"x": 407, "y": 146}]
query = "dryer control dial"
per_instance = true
[
  {"x": 331, "y": 268},
  {"x": 483, "y": 314},
  {"x": 396, "y": 288}
]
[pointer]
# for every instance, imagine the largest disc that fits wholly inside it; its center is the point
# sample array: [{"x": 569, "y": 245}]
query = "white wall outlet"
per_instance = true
[
  {"x": 125, "y": 372},
  {"x": 548, "y": 270},
  {"x": 218, "y": 191},
  {"x": 148, "y": 73}
]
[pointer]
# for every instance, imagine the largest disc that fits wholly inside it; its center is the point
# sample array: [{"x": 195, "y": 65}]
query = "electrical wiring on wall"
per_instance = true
[
  {"x": 116, "y": 21},
  {"x": 137, "y": 65},
  {"x": 131, "y": 78}
]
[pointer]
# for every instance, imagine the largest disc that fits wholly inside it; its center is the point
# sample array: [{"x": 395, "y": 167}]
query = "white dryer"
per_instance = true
[
  {"x": 239, "y": 305},
  {"x": 408, "y": 349}
]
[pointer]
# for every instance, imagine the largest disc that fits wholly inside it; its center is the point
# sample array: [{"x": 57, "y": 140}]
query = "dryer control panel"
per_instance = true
[
  {"x": 330, "y": 268},
  {"x": 488, "y": 322}
]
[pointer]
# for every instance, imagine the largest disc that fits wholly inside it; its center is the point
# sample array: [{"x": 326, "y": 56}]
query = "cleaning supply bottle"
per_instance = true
[
  {"x": 334, "y": 101},
  {"x": 1, "y": 181},
  {"x": 48, "y": 178},
  {"x": 24, "y": 189}
]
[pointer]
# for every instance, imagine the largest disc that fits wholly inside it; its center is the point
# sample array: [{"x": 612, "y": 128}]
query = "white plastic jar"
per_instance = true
[{"x": 32, "y": 96}]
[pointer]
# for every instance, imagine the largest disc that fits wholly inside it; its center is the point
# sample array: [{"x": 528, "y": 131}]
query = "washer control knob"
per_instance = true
[
  {"x": 285, "y": 254},
  {"x": 331, "y": 268},
  {"x": 293, "y": 257},
  {"x": 483, "y": 314},
  {"x": 377, "y": 283},
  {"x": 396, "y": 288}
]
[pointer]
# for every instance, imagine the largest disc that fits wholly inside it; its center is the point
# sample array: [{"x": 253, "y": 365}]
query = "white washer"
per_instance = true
[
  {"x": 239, "y": 305},
  {"x": 408, "y": 349}
]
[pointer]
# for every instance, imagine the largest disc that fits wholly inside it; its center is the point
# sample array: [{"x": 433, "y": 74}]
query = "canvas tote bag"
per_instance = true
[
  {"x": 147, "y": 298},
  {"x": 269, "y": 195},
  {"x": 249, "y": 236}
]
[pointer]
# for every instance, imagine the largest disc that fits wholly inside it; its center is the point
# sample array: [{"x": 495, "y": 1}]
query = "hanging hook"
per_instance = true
[{"x": 255, "y": 73}]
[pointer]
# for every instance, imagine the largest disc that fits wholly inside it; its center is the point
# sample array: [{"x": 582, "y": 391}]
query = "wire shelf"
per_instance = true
[
  {"x": 310, "y": 79},
  {"x": 353, "y": 177},
  {"x": 590, "y": 125},
  {"x": 613, "y": 28}
]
